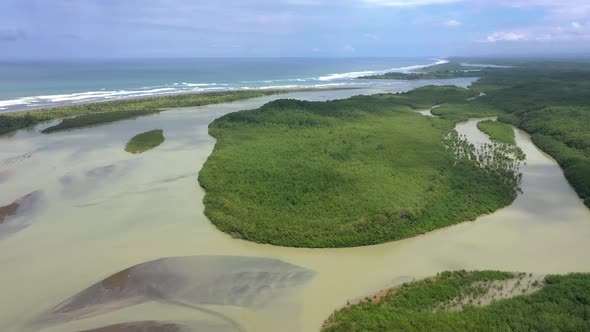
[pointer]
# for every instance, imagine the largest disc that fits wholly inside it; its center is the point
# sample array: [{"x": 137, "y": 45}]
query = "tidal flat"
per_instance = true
[{"x": 141, "y": 208}]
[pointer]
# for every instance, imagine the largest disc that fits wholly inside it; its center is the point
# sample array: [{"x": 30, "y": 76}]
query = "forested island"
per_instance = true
[
  {"x": 473, "y": 301},
  {"x": 145, "y": 141},
  {"x": 497, "y": 131},
  {"x": 352, "y": 172}
]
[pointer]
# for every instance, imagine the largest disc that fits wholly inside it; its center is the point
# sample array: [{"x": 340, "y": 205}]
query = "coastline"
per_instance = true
[
  {"x": 147, "y": 98},
  {"x": 303, "y": 80}
]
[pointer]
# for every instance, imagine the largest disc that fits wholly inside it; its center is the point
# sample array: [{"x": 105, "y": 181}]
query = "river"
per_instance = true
[{"x": 99, "y": 210}]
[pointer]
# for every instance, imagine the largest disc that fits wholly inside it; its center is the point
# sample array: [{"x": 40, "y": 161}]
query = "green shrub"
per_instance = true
[
  {"x": 562, "y": 304},
  {"x": 350, "y": 172},
  {"x": 145, "y": 141}
]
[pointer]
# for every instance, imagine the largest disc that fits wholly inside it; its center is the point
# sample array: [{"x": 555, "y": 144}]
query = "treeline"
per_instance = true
[
  {"x": 97, "y": 118},
  {"x": 441, "y": 74},
  {"x": 562, "y": 304},
  {"x": 16, "y": 120},
  {"x": 11, "y": 123}
]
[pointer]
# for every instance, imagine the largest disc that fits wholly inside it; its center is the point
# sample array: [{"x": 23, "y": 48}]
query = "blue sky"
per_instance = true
[{"x": 304, "y": 28}]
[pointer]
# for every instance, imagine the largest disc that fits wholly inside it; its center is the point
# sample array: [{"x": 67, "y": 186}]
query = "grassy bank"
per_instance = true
[
  {"x": 342, "y": 173},
  {"x": 452, "y": 301},
  {"x": 499, "y": 132},
  {"x": 145, "y": 141},
  {"x": 466, "y": 109},
  {"x": 97, "y": 118},
  {"x": 16, "y": 120}
]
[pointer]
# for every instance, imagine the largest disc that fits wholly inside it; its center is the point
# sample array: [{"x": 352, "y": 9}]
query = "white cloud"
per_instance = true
[
  {"x": 453, "y": 23},
  {"x": 371, "y": 36},
  {"x": 556, "y": 9},
  {"x": 349, "y": 49},
  {"x": 504, "y": 36},
  {"x": 574, "y": 31}
]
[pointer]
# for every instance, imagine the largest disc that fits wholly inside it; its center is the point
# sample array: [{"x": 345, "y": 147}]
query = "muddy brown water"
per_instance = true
[{"x": 105, "y": 211}]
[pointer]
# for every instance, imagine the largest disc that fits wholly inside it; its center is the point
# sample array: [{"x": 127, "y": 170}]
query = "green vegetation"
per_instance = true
[
  {"x": 16, "y": 120},
  {"x": 351, "y": 172},
  {"x": 498, "y": 131},
  {"x": 9, "y": 123},
  {"x": 442, "y": 74},
  {"x": 548, "y": 99},
  {"x": 562, "y": 304},
  {"x": 145, "y": 141},
  {"x": 467, "y": 109},
  {"x": 447, "y": 70},
  {"x": 96, "y": 118}
]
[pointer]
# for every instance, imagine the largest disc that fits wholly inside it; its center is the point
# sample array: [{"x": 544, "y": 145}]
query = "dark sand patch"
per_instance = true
[
  {"x": 4, "y": 175},
  {"x": 8, "y": 210},
  {"x": 145, "y": 326},
  {"x": 191, "y": 282},
  {"x": 80, "y": 183},
  {"x": 101, "y": 171},
  {"x": 117, "y": 280},
  {"x": 18, "y": 159},
  {"x": 17, "y": 207},
  {"x": 11, "y": 220},
  {"x": 165, "y": 326}
]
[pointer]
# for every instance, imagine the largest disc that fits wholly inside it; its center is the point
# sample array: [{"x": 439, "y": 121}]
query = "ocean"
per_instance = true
[{"x": 31, "y": 85}]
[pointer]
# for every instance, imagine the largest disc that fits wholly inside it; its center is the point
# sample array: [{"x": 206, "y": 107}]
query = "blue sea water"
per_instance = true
[{"x": 29, "y": 85}]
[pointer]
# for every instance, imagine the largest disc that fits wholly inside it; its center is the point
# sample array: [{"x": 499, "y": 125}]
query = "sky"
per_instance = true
[{"x": 50, "y": 29}]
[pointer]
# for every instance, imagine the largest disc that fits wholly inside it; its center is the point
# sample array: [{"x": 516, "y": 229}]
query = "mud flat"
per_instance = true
[{"x": 16, "y": 216}]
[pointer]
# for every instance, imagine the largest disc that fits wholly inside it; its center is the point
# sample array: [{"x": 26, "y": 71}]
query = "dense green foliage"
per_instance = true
[
  {"x": 465, "y": 110},
  {"x": 17, "y": 120},
  {"x": 351, "y": 172},
  {"x": 452, "y": 69},
  {"x": 563, "y": 304},
  {"x": 549, "y": 100},
  {"x": 145, "y": 141},
  {"x": 96, "y": 118},
  {"x": 9, "y": 123},
  {"x": 442, "y": 74},
  {"x": 497, "y": 131}
]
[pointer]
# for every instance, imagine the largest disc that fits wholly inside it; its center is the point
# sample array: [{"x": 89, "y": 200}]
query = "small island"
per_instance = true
[
  {"x": 472, "y": 301},
  {"x": 145, "y": 141},
  {"x": 499, "y": 132}
]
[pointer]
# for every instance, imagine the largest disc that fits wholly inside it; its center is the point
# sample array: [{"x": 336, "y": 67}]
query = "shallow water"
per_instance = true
[{"x": 103, "y": 210}]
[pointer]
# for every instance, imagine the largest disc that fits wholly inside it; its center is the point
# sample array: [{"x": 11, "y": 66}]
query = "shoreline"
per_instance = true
[
  {"x": 147, "y": 98},
  {"x": 330, "y": 81}
]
